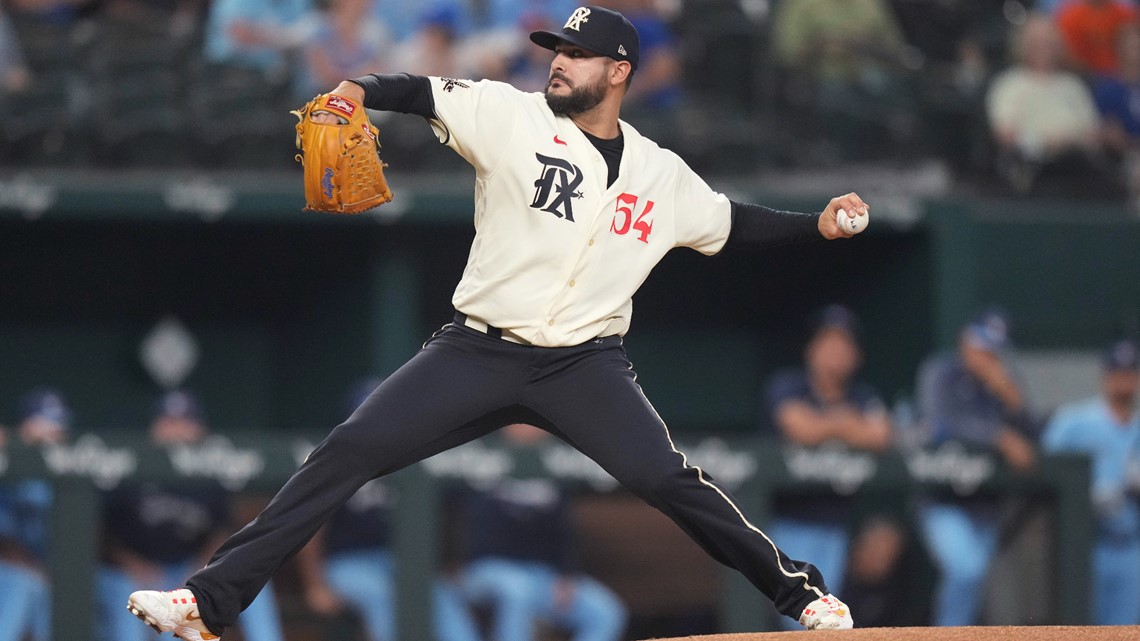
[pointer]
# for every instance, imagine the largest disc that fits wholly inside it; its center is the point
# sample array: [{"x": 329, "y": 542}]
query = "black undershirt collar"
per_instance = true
[{"x": 611, "y": 150}]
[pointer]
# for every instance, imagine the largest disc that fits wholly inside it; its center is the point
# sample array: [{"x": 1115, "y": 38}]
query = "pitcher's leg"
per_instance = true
[
  {"x": 434, "y": 402},
  {"x": 598, "y": 407},
  {"x": 824, "y": 543}
]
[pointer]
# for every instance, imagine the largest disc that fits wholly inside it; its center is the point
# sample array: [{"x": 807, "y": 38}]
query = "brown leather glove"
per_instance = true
[{"x": 343, "y": 170}]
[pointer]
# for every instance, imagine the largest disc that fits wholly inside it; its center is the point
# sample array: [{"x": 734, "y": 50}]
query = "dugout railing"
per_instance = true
[{"x": 755, "y": 470}]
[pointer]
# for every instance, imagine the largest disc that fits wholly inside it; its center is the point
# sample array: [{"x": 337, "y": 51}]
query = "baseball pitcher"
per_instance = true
[{"x": 573, "y": 208}]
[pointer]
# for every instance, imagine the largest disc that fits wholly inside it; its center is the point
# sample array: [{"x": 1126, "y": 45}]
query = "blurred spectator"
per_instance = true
[
  {"x": 884, "y": 576},
  {"x": 14, "y": 74},
  {"x": 971, "y": 397},
  {"x": 1107, "y": 428},
  {"x": 1117, "y": 93},
  {"x": 524, "y": 559},
  {"x": 1043, "y": 118},
  {"x": 262, "y": 35},
  {"x": 820, "y": 404},
  {"x": 349, "y": 42},
  {"x": 60, "y": 12},
  {"x": 26, "y": 594},
  {"x": 971, "y": 68},
  {"x": 1089, "y": 29},
  {"x": 853, "y": 54},
  {"x": 835, "y": 41},
  {"x": 656, "y": 88},
  {"x": 953, "y": 45},
  {"x": 156, "y": 532},
  {"x": 521, "y": 64},
  {"x": 505, "y": 14},
  {"x": 45, "y": 418},
  {"x": 1117, "y": 96},
  {"x": 349, "y": 564},
  {"x": 178, "y": 18},
  {"x": 432, "y": 49},
  {"x": 405, "y": 17}
]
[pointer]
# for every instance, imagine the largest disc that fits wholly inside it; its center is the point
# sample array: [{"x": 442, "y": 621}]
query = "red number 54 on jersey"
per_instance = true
[{"x": 624, "y": 220}]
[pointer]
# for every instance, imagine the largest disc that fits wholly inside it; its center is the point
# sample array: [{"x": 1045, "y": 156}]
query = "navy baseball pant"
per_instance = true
[{"x": 463, "y": 384}]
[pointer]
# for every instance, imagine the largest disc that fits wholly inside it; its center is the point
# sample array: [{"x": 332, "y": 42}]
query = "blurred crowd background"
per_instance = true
[
  {"x": 1008, "y": 96},
  {"x": 1026, "y": 113}
]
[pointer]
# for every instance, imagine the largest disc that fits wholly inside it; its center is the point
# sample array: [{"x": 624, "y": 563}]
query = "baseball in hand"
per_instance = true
[{"x": 852, "y": 224}]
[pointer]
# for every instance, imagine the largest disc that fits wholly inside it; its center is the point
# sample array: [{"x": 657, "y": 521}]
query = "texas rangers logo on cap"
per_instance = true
[
  {"x": 580, "y": 15},
  {"x": 597, "y": 29}
]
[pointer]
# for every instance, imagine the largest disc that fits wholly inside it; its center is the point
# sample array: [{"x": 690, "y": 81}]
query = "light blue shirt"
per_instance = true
[
  {"x": 1088, "y": 426},
  {"x": 24, "y": 508},
  {"x": 285, "y": 20}
]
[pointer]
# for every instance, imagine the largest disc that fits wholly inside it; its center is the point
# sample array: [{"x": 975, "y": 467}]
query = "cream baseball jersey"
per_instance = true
[{"x": 558, "y": 255}]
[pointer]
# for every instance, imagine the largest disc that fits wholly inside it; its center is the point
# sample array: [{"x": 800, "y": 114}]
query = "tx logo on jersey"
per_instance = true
[
  {"x": 556, "y": 186},
  {"x": 580, "y": 15},
  {"x": 449, "y": 84}
]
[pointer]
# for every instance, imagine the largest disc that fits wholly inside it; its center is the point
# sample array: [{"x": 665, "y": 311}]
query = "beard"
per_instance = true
[{"x": 580, "y": 99}]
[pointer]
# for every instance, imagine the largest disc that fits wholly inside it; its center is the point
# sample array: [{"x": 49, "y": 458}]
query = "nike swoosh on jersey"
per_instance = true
[{"x": 559, "y": 142}]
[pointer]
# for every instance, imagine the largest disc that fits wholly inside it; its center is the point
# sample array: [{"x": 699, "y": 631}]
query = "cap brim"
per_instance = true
[{"x": 549, "y": 40}]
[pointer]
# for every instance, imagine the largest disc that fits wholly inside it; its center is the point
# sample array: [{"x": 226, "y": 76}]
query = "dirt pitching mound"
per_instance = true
[{"x": 981, "y": 633}]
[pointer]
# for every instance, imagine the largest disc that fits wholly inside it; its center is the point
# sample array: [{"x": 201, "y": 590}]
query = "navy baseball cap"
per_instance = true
[
  {"x": 989, "y": 330},
  {"x": 181, "y": 405},
  {"x": 836, "y": 316},
  {"x": 603, "y": 31},
  {"x": 48, "y": 404},
  {"x": 1122, "y": 355}
]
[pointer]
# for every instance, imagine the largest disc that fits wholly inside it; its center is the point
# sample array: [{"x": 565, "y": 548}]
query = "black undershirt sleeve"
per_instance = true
[
  {"x": 759, "y": 226},
  {"x": 400, "y": 92}
]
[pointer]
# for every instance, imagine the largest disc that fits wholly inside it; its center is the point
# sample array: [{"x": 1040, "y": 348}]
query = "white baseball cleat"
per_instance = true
[
  {"x": 175, "y": 611},
  {"x": 827, "y": 613}
]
